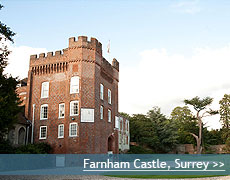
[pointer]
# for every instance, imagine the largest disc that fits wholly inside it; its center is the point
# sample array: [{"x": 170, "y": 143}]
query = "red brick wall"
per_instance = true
[
  {"x": 84, "y": 59},
  {"x": 21, "y": 91}
]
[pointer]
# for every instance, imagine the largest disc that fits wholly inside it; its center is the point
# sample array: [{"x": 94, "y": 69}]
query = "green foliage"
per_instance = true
[
  {"x": 185, "y": 123},
  {"x": 165, "y": 130},
  {"x": 9, "y": 100},
  {"x": 153, "y": 130},
  {"x": 125, "y": 115},
  {"x": 199, "y": 104},
  {"x": 39, "y": 148},
  {"x": 139, "y": 150},
  {"x": 225, "y": 115},
  {"x": 5, "y": 147},
  {"x": 5, "y": 30},
  {"x": 213, "y": 137}
]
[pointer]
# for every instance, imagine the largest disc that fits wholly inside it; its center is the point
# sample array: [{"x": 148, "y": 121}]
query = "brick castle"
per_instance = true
[{"x": 72, "y": 100}]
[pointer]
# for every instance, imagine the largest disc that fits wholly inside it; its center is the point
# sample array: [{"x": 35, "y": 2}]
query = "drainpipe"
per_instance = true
[{"x": 32, "y": 133}]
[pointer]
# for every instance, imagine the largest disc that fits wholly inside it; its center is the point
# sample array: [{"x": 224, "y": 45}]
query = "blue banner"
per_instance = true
[{"x": 120, "y": 164}]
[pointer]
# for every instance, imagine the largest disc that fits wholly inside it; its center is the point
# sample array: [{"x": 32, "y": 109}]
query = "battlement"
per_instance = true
[
  {"x": 47, "y": 55},
  {"x": 83, "y": 42}
]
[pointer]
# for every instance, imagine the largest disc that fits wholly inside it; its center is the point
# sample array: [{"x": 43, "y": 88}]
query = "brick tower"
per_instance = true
[{"x": 72, "y": 98}]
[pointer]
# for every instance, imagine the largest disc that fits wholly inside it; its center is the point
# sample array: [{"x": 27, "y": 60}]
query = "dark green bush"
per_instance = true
[
  {"x": 6, "y": 148},
  {"x": 38, "y": 148},
  {"x": 139, "y": 150}
]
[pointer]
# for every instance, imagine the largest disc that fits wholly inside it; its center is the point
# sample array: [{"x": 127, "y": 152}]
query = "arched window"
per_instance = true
[{"x": 21, "y": 136}]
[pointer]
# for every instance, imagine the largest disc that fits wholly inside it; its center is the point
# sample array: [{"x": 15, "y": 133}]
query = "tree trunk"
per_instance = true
[{"x": 199, "y": 148}]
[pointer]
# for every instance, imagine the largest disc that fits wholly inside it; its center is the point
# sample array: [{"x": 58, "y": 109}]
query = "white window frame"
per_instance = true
[
  {"x": 41, "y": 133},
  {"x": 109, "y": 96},
  {"x": 109, "y": 115},
  {"x": 74, "y": 84},
  {"x": 43, "y": 90},
  {"x": 43, "y": 105},
  {"x": 71, "y": 106},
  {"x": 75, "y": 135},
  {"x": 59, "y": 128},
  {"x": 101, "y": 91},
  {"x": 59, "y": 111},
  {"x": 101, "y": 112}
]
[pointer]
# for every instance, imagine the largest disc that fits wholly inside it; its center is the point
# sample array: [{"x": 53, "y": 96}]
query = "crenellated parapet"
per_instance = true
[
  {"x": 83, "y": 42},
  {"x": 43, "y": 56},
  {"x": 58, "y": 61},
  {"x": 49, "y": 62}
]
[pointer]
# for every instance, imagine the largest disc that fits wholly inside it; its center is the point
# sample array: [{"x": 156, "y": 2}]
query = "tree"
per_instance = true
[
  {"x": 225, "y": 115},
  {"x": 154, "y": 131},
  {"x": 201, "y": 108},
  {"x": 186, "y": 123},
  {"x": 9, "y": 100},
  {"x": 165, "y": 130}
]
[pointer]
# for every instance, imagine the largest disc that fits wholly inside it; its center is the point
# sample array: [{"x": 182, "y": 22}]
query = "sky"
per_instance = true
[{"x": 169, "y": 50}]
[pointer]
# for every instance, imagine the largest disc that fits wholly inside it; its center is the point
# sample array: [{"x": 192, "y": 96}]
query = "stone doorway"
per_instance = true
[{"x": 110, "y": 144}]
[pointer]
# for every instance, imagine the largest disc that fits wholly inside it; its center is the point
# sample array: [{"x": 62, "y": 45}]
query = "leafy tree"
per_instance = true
[
  {"x": 153, "y": 130},
  {"x": 165, "y": 130},
  {"x": 201, "y": 108},
  {"x": 185, "y": 123},
  {"x": 225, "y": 115},
  {"x": 141, "y": 130},
  {"x": 9, "y": 100}
]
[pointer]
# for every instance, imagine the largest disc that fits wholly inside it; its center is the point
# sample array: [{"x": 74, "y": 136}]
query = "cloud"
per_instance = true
[
  {"x": 188, "y": 7},
  {"x": 165, "y": 80},
  {"x": 19, "y": 60}
]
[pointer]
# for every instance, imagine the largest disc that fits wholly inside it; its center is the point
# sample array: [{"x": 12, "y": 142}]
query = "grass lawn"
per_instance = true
[{"x": 163, "y": 176}]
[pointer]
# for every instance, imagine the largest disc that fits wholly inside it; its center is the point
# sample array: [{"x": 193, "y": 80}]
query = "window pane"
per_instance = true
[
  {"x": 61, "y": 131},
  {"x": 74, "y": 84},
  {"x": 101, "y": 91},
  {"x": 73, "y": 108},
  {"x": 43, "y": 132},
  {"x": 109, "y": 96},
  {"x": 73, "y": 129},
  {"x": 101, "y": 110},
  {"x": 45, "y": 90},
  {"x": 109, "y": 115},
  {"x": 61, "y": 110},
  {"x": 44, "y": 111}
]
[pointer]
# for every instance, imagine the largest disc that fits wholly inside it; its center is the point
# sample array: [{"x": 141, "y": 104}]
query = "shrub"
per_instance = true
[
  {"x": 139, "y": 150},
  {"x": 38, "y": 148}
]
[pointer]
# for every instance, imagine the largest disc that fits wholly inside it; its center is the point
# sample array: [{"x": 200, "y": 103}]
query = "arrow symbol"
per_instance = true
[
  {"x": 221, "y": 164},
  {"x": 215, "y": 164}
]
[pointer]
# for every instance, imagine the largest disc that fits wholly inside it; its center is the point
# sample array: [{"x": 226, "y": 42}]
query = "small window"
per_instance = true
[
  {"x": 45, "y": 90},
  {"x": 109, "y": 115},
  {"x": 74, "y": 85},
  {"x": 117, "y": 122},
  {"x": 61, "y": 110},
  {"x": 109, "y": 97},
  {"x": 73, "y": 108},
  {"x": 101, "y": 91},
  {"x": 43, "y": 132},
  {"x": 61, "y": 131},
  {"x": 73, "y": 129},
  {"x": 101, "y": 112},
  {"x": 44, "y": 112}
]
